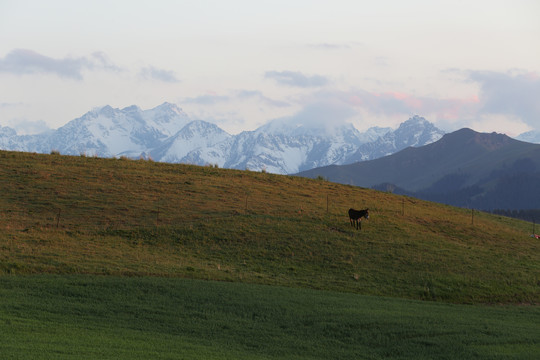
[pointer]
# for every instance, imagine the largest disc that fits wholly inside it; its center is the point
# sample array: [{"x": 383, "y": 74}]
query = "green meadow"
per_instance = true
[
  {"x": 115, "y": 258},
  {"x": 90, "y": 317}
]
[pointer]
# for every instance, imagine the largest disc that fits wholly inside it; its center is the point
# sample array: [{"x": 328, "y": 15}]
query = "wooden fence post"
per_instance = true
[
  {"x": 58, "y": 218},
  {"x": 157, "y": 215},
  {"x": 327, "y": 203}
]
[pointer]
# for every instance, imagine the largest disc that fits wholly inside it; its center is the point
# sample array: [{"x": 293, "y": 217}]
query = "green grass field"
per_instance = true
[
  {"x": 88, "y": 317},
  {"x": 76, "y": 230}
]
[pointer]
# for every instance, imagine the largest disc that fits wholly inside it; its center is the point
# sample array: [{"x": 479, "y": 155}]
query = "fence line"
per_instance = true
[{"x": 59, "y": 217}]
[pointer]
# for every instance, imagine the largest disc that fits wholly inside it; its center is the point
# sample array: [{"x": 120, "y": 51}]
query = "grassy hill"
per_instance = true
[
  {"x": 81, "y": 215},
  {"x": 295, "y": 280}
]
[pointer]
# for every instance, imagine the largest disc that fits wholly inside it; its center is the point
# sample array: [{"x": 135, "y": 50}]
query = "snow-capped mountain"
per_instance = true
[
  {"x": 532, "y": 136},
  {"x": 414, "y": 132},
  {"x": 167, "y": 134},
  {"x": 373, "y": 133},
  {"x": 111, "y": 132},
  {"x": 283, "y": 147},
  {"x": 198, "y": 142}
]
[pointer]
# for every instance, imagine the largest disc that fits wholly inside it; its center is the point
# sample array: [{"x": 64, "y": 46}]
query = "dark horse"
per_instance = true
[{"x": 355, "y": 217}]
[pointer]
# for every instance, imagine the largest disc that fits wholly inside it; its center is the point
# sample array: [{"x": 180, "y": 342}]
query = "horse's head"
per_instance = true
[{"x": 367, "y": 214}]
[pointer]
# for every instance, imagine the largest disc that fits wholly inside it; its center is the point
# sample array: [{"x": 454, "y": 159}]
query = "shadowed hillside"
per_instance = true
[
  {"x": 464, "y": 168},
  {"x": 67, "y": 215}
]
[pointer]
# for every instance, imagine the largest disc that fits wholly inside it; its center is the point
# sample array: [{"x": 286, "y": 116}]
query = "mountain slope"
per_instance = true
[{"x": 464, "y": 168}]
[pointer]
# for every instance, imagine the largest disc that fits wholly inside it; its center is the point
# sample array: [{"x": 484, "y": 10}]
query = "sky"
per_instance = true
[{"x": 240, "y": 64}]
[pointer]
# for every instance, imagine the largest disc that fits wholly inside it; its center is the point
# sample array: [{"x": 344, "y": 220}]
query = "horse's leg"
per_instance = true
[{"x": 360, "y": 224}]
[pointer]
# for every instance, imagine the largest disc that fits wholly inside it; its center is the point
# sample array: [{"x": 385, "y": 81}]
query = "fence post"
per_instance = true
[
  {"x": 157, "y": 215},
  {"x": 58, "y": 218},
  {"x": 327, "y": 203}
]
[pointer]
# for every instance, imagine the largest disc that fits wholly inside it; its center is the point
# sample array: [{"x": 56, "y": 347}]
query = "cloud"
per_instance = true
[
  {"x": 503, "y": 98},
  {"x": 506, "y": 102},
  {"x": 330, "y": 46},
  {"x": 327, "y": 115},
  {"x": 399, "y": 103},
  {"x": 324, "y": 113},
  {"x": 512, "y": 93},
  {"x": 152, "y": 73},
  {"x": 247, "y": 94},
  {"x": 296, "y": 79},
  {"x": 28, "y": 127},
  {"x": 241, "y": 95},
  {"x": 209, "y": 99},
  {"x": 5, "y": 105},
  {"x": 24, "y": 62}
]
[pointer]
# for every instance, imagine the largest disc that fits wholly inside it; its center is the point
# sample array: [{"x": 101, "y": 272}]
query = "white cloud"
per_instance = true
[
  {"x": 28, "y": 127},
  {"x": 27, "y": 62},
  {"x": 511, "y": 125},
  {"x": 514, "y": 94},
  {"x": 152, "y": 73},
  {"x": 296, "y": 79},
  {"x": 248, "y": 94},
  {"x": 324, "y": 114},
  {"x": 207, "y": 99},
  {"x": 330, "y": 46}
]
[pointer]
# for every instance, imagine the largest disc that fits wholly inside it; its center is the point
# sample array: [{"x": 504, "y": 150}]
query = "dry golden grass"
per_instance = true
[{"x": 61, "y": 214}]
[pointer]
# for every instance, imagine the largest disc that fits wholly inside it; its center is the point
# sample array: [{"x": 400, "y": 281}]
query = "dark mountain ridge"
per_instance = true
[{"x": 463, "y": 168}]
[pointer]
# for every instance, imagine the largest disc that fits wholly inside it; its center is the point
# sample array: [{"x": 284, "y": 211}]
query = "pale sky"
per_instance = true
[{"x": 240, "y": 64}]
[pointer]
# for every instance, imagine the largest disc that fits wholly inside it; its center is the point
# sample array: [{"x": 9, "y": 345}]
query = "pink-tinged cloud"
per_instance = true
[
  {"x": 396, "y": 103},
  {"x": 514, "y": 94}
]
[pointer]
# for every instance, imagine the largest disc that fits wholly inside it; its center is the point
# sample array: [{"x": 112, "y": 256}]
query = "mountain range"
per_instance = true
[
  {"x": 464, "y": 168},
  {"x": 166, "y": 133}
]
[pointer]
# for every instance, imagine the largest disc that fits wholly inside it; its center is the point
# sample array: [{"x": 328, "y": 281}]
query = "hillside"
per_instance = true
[
  {"x": 464, "y": 168},
  {"x": 84, "y": 215}
]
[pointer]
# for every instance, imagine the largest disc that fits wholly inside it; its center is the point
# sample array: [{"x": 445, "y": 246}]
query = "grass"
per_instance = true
[
  {"x": 78, "y": 215},
  {"x": 82, "y": 317},
  {"x": 103, "y": 258}
]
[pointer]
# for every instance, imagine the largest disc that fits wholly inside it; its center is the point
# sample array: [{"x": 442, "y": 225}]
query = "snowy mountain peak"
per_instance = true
[
  {"x": 532, "y": 136},
  {"x": 414, "y": 123},
  {"x": 106, "y": 110},
  {"x": 417, "y": 131},
  {"x": 133, "y": 109},
  {"x": 373, "y": 133},
  {"x": 193, "y": 142},
  {"x": 166, "y": 133},
  {"x": 170, "y": 107},
  {"x": 204, "y": 130}
]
